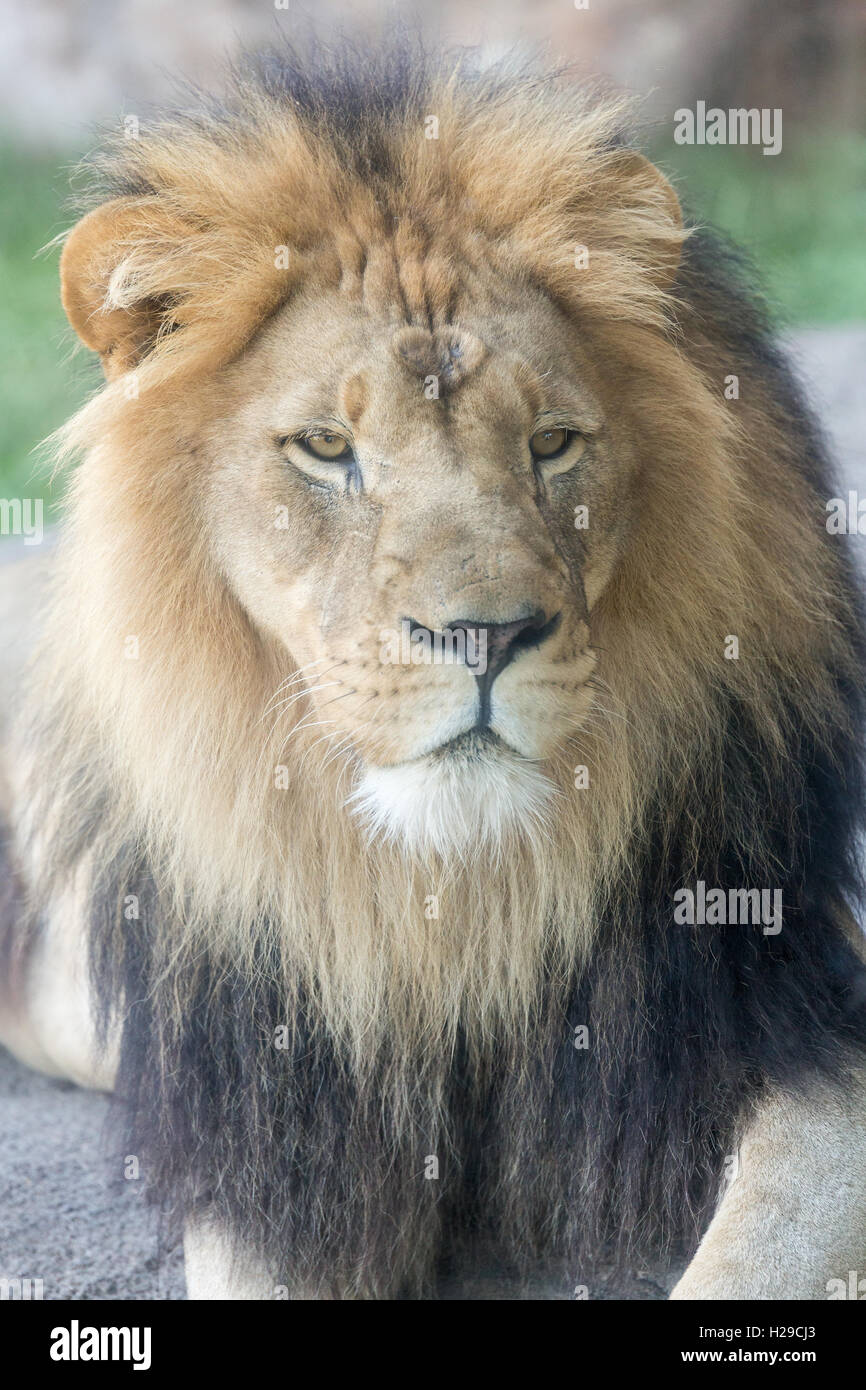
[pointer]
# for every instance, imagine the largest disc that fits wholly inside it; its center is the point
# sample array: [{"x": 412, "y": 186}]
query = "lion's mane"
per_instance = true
[{"x": 406, "y": 1037}]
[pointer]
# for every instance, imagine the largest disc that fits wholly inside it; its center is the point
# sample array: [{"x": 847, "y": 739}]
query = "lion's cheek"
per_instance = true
[
  {"x": 404, "y": 719},
  {"x": 536, "y": 708}
]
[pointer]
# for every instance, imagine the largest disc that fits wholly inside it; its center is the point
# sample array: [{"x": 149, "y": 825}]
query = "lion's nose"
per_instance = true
[{"x": 489, "y": 647}]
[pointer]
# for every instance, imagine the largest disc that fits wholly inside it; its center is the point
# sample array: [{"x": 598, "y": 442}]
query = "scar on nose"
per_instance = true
[{"x": 450, "y": 354}]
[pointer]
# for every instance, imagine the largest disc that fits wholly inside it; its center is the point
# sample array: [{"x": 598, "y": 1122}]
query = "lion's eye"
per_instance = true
[
  {"x": 550, "y": 443},
  {"x": 332, "y": 448}
]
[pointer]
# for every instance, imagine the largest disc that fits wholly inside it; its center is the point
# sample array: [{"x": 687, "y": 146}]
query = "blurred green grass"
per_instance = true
[
  {"x": 801, "y": 215},
  {"x": 40, "y": 384}
]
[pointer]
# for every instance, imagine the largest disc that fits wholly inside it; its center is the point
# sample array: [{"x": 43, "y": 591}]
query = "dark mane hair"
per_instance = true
[{"x": 546, "y": 1151}]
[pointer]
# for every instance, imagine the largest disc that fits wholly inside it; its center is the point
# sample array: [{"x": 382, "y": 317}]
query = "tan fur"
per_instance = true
[
  {"x": 257, "y": 646},
  {"x": 794, "y": 1217},
  {"x": 251, "y": 639},
  {"x": 49, "y": 1024}
]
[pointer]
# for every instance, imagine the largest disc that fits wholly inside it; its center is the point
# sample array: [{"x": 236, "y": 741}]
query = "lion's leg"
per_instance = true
[
  {"x": 795, "y": 1216},
  {"x": 218, "y": 1268},
  {"x": 46, "y": 1006}
]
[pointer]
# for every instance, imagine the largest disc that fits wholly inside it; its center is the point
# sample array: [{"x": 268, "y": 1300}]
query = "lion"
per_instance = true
[{"x": 433, "y": 751}]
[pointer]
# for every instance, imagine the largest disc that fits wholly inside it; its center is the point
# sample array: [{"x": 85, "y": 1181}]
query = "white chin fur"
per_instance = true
[{"x": 454, "y": 803}]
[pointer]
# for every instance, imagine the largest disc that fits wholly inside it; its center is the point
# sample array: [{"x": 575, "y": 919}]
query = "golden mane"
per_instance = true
[
  {"x": 168, "y": 756},
  {"x": 522, "y": 166}
]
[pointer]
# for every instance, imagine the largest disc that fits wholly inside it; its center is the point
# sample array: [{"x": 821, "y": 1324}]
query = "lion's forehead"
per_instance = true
[
  {"x": 422, "y": 272},
  {"x": 504, "y": 345},
  {"x": 444, "y": 357}
]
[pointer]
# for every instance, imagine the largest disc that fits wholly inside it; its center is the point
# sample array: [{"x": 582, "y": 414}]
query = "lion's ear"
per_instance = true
[
  {"x": 103, "y": 281},
  {"x": 660, "y": 204}
]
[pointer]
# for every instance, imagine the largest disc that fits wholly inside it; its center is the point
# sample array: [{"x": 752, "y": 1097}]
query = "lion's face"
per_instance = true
[
  {"x": 394, "y": 380},
  {"x": 425, "y": 519}
]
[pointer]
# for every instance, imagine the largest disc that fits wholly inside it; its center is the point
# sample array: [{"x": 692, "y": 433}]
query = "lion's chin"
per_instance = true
[{"x": 473, "y": 795}]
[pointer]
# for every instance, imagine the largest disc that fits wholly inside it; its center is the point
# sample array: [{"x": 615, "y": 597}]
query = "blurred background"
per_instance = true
[{"x": 70, "y": 67}]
